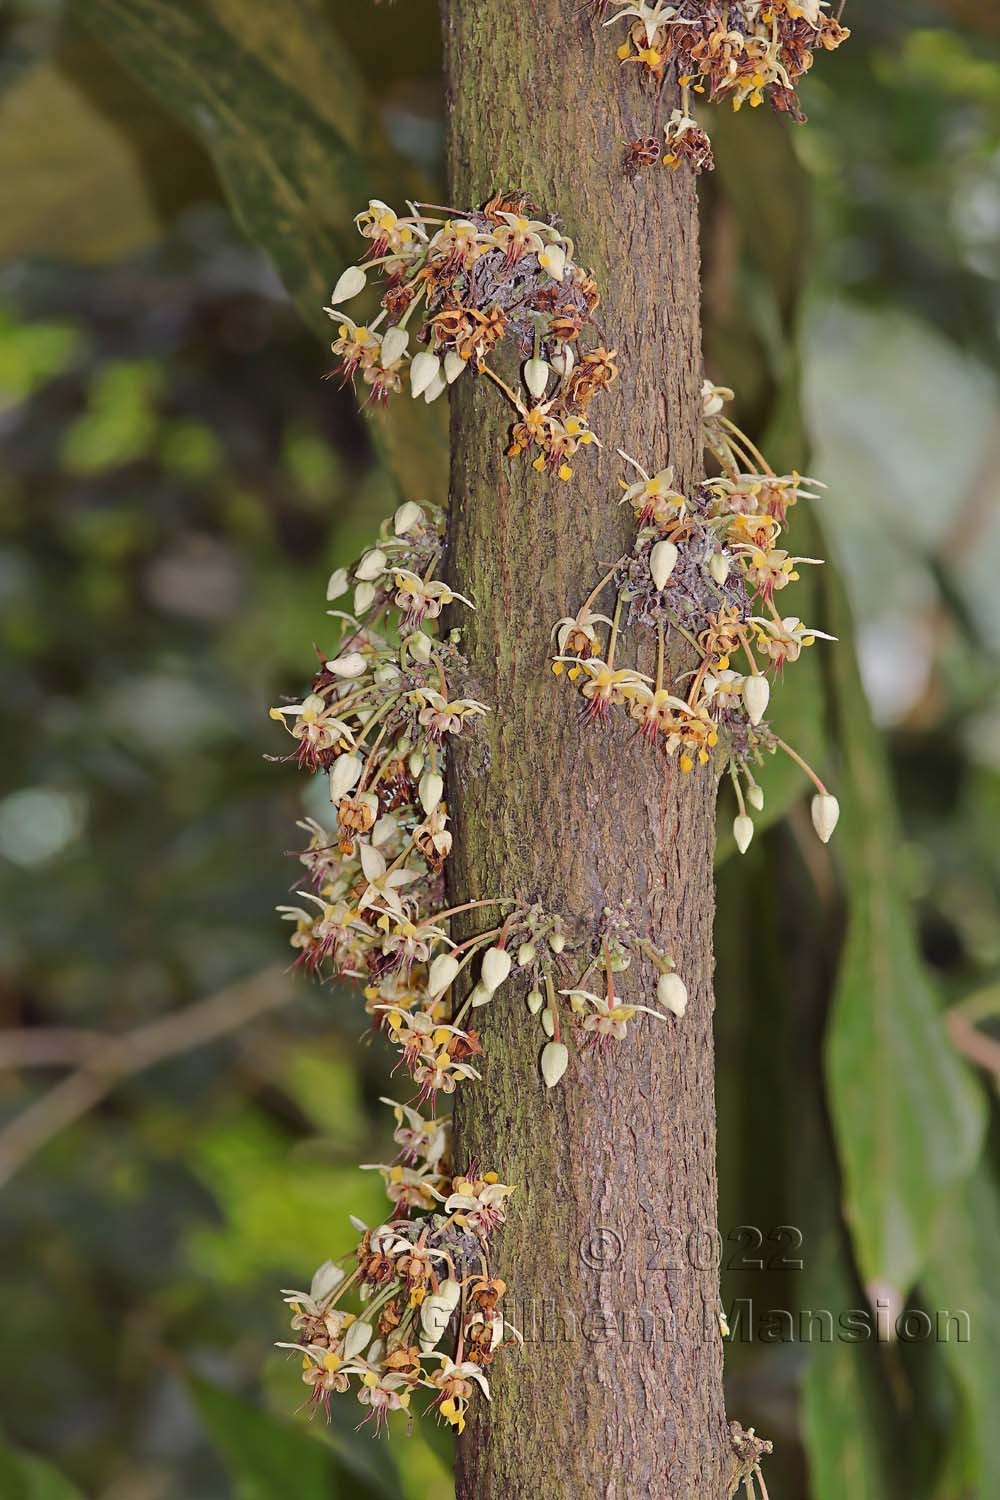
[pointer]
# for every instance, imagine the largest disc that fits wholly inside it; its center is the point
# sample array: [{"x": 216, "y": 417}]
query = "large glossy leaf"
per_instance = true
[
  {"x": 907, "y": 1114},
  {"x": 100, "y": 168},
  {"x": 271, "y": 93},
  {"x": 961, "y": 1278},
  {"x": 270, "y": 1459}
]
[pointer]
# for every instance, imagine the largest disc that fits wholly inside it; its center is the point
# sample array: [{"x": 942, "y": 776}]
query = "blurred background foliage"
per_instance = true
[{"x": 177, "y": 485}]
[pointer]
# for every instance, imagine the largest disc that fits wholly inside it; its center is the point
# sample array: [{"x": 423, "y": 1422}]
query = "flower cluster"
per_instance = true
[
  {"x": 708, "y": 567},
  {"x": 467, "y": 284},
  {"x": 740, "y": 50},
  {"x": 420, "y": 1310}
]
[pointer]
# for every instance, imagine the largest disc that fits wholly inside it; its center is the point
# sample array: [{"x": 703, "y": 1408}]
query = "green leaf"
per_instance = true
[
  {"x": 907, "y": 1114},
  {"x": 845, "y": 1414},
  {"x": 100, "y": 169},
  {"x": 270, "y": 1459},
  {"x": 25, "y": 1477},
  {"x": 273, "y": 96},
  {"x": 960, "y": 1277}
]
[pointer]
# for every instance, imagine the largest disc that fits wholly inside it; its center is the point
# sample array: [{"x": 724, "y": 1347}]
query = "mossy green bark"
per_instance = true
[{"x": 609, "y": 1249}]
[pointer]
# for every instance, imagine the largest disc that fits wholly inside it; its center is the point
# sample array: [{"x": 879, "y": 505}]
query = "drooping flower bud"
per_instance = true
[
  {"x": 535, "y": 1001},
  {"x": 526, "y": 954},
  {"x": 548, "y": 1024},
  {"x": 442, "y": 974},
  {"x": 326, "y": 1280},
  {"x": 357, "y": 1338},
  {"x": 435, "y": 1314},
  {"x": 338, "y": 585},
  {"x": 344, "y": 775},
  {"x": 454, "y": 364},
  {"x": 424, "y": 368},
  {"x": 496, "y": 967},
  {"x": 415, "y": 763},
  {"x": 662, "y": 562},
  {"x": 756, "y": 697},
  {"x": 537, "y": 373},
  {"x": 743, "y": 832},
  {"x": 408, "y": 516},
  {"x": 718, "y": 566},
  {"x": 394, "y": 345},
  {"x": 671, "y": 992},
  {"x": 349, "y": 284},
  {"x": 825, "y": 815},
  {"x": 755, "y": 797},
  {"x": 555, "y": 1061},
  {"x": 419, "y": 646},
  {"x": 364, "y": 597},
  {"x": 480, "y": 995},
  {"x": 371, "y": 566},
  {"x": 436, "y": 388},
  {"x": 431, "y": 790}
]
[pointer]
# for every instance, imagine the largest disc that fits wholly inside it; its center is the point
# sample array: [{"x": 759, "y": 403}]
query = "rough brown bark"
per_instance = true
[{"x": 609, "y": 1247}]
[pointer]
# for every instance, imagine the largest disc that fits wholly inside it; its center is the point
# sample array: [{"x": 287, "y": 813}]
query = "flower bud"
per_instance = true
[
  {"x": 496, "y": 968},
  {"x": 718, "y": 566},
  {"x": 385, "y": 828},
  {"x": 351, "y": 282},
  {"x": 351, "y": 664},
  {"x": 430, "y": 791},
  {"x": 419, "y": 646},
  {"x": 557, "y": 942},
  {"x": 326, "y": 1280},
  {"x": 536, "y": 377},
  {"x": 394, "y": 346},
  {"x": 555, "y": 1061},
  {"x": 344, "y": 775},
  {"x": 407, "y": 517},
  {"x": 755, "y": 797},
  {"x": 535, "y": 1001},
  {"x": 454, "y": 364},
  {"x": 415, "y": 763},
  {"x": 424, "y": 368},
  {"x": 357, "y": 1338},
  {"x": 435, "y": 1315},
  {"x": 548, "y": 1025},
  {"x": 371, "y": 566},
  {"x": 563, "y": 361},
  {"x": 662, "y": 562},
  {"x": 436, "y": 388},
  {"x": 526, "y": 954},
  {"x": 364, "y": 597},
  {"x": 825, "y": 815},
  {"x": 442, "y": 974},
  {"x": 337, "y": 585},
  {"x": 743, "y": 832},
  {"x": 756, "y": 697},
  {"x": 480, "y": 995},
  {"x": 671, "y": 992}
]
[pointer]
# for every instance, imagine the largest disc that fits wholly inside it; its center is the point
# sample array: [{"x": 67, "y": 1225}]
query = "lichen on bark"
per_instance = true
[{"x": 610, "y": 1243}]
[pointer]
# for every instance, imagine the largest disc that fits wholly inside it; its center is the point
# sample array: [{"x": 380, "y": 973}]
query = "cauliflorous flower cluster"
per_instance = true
[
  {"x": 741, "y": 50},
  {"x": 467, "y": 283},
  {"x": 708, "y": 567},
  {"x": 376, "y": 721},
  {"x": 420, "y": 1310}
]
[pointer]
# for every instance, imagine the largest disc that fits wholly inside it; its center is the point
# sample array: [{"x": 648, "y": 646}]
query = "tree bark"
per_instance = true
[{"x": 610, "y": 1246}]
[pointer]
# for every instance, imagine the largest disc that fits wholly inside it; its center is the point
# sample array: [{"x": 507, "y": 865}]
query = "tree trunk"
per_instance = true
[{"x": 610, "y": 1246}]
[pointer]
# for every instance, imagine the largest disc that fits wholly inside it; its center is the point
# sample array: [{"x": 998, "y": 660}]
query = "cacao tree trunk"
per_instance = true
[{"x": 610, "y": 1246}]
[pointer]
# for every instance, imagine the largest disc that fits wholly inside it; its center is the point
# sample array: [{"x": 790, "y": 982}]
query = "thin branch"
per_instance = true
[
  {"x": 48, "y": 1046},
  {"x": 117, "y": 1058}
]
